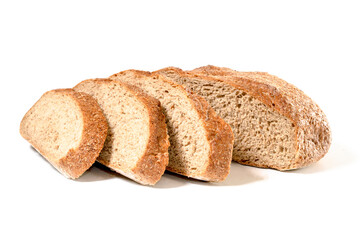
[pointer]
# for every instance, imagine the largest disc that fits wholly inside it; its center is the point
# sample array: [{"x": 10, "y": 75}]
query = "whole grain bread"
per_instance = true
[
  {"x": 275, "y": 124},
  {"x": 137, "y": 142},
  {"x": 67, "y": 128},
  {"x": 201, "y": 142}
]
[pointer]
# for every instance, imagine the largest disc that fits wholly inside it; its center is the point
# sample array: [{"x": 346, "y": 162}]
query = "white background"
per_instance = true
[{"x": 55, "y": 44}]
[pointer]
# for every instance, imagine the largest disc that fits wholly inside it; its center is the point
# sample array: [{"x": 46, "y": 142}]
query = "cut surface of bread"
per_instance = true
[
  {"x": 201, "y": 142},
  {"x": 275, "y": 124},
  {"x": 67, "y": 128},
  {"x": 137, "y": 142}
]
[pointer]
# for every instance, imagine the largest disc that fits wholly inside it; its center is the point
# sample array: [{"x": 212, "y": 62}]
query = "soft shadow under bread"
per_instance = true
[
  {"x": 338, "y": 156},
  {"x": 239, "y": 175},
  {"x": 170, "y": 180}
]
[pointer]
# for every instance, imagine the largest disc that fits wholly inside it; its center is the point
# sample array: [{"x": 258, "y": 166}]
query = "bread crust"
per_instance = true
[
  {"x": 220, "y": 137},
  {"x": 94, "y": 132},
  {"x": 218, "y": 133},
  {"x": 156, "y": 157},
  {"x": 151, "y": 166},
  {"x": 313, "y": 134}
]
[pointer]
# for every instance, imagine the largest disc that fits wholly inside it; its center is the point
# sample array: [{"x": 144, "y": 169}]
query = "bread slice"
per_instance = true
[
  {"x": 200, "y": 141},
  {"x": 67, "y": 128},
  {"x": 275, "y": 124},
  {"x": 137, "y": 142}
]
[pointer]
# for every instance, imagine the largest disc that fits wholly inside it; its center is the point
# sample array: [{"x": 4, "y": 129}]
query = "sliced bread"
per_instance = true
[
  {"x": 67, "y": 128},
  {"x": 201, "y": 142},
  {"x": 275, "y": 124},
  {"x": 137, "y": 142}
]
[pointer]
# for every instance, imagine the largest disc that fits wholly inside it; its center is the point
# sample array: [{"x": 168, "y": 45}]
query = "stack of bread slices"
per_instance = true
[{"x": 192, "y": 123}]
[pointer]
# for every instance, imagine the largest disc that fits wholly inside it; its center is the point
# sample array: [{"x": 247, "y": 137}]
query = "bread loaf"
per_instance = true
[{"x": 274, "y": 123}]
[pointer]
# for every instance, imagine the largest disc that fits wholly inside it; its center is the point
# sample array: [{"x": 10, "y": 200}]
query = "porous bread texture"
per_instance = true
[
  {"x": 261, "y": 135},
  {"x": 137, "y": 142},
  {"x": 200, "y": 141},
  {"x": 67, "y": 128},
  {"x": 264, "y": 135},
  {"x": 313, "y": 134}
]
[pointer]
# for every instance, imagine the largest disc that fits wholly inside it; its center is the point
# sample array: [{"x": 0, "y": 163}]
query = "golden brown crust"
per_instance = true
[
  {"x": 94, "y": 134},
  {"x": 78, "y": 160},
  {"x": 218, "y": 132},
  {"x": 221, "y": 141},
  {"x": 156, "y": 157},
  {"x": 312, "y": 128},
  {"x": 151, "y": 166}
]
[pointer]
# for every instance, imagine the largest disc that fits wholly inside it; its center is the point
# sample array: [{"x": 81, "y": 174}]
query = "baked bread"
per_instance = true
[
  {"x": 201, "y": 142},
  {"x": 67, "y": 128},
  {"x": 137, "y": 142},
  {"x": 275, "y": 124}
]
